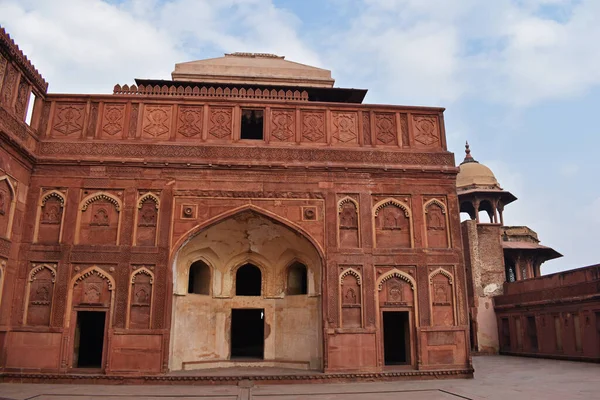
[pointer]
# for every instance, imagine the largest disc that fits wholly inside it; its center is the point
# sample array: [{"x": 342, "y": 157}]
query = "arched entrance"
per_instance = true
[{"x": 248, "y": 313}]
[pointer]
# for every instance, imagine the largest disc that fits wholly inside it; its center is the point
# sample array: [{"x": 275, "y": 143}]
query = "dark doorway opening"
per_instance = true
[
  {"x": 252, "y": 124},
  {"x": 396, "y": 338},
  {"x": 505, "y": 345},
  {"x": 247, "y": 333},
  {"x": 532, "y": 333},
  {"x": 248, "y": 281},
  {"x": 89, "y": 339}
]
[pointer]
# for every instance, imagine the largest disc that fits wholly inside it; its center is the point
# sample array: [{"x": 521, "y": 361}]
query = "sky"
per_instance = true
[{"x": 520, "y": 79}]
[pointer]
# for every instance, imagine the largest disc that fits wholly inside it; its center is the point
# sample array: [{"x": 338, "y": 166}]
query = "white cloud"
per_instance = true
[
  {"x": 90, "y": 46},
  {"x": 509, "y": 52}
]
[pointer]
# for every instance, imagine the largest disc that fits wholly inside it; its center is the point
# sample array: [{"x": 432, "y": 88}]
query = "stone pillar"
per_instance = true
[{"x": 483, "y": 249}]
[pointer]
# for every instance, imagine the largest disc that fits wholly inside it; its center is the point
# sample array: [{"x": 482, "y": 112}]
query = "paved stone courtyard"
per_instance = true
[{"x": 496, "y": 377}]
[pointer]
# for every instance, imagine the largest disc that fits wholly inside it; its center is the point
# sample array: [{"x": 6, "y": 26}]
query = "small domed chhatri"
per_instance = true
[
  {"x": 474, "y": 174},
  {"x": 478, "y": 190}
]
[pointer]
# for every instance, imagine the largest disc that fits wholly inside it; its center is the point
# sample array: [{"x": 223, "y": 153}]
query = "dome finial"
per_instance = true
[{"x": 468, "y": 157}]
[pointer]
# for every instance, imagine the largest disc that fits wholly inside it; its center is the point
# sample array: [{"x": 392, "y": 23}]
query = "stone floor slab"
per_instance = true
[{"x": 496, "y": 378}]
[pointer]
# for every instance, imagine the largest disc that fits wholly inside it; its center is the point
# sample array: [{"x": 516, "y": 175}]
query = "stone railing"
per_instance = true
[
  {"x": 131, "y": 119},
  {"x": 210, "y": 92}
]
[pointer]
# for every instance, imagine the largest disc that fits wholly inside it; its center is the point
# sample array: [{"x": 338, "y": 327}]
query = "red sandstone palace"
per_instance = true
[{"x": 245, "y": 213}]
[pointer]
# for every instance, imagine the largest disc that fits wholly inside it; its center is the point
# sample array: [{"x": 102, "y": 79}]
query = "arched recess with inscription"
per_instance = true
[
  {"x": 392, "y": 220},
  {"x": 99, "y": 219},
  {"x": 50, "y": 217},
  {"x": 348, "y": 223},
  {"x": 147, "y": 219},
  {"x": 141, "y": 296},
  {"x": 39, "y": 295},
  {"x": 8, "y": 203},
  {"x": 442, "y": 295},
  {"x": 397, "y": 308},
  {"x": 436, "y": 224},
  {"x": 351, "y": 299},
  {"x": 89, "y": 317},
  {"x": 253, "y": 244}
]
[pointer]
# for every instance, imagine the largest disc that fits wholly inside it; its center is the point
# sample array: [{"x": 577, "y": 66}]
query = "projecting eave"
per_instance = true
[
  {"x": 505, "y": 196},
  {"x": 547, "y": 253}
]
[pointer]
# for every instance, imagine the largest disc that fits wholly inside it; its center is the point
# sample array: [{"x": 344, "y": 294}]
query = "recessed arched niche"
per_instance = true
[{"x": 246, "y": 270}]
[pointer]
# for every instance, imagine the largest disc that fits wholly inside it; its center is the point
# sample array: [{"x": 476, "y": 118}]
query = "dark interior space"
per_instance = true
[
  {"x": 510, "y": 270},
  {"x": 89, "y": 339},
  {"x": 396, "y": 338},
  {"x": 247, "y": 333},
  {"x": 532, "y": 333},
  {"x": 248, "y": 281},
  {"x": 297, "y": 279},
  {"x": 472, "y": 333},
  {"x": 199, "y": 279},
  {"x": 505, "y": 345},
  {"x": 252, "y": 124}
]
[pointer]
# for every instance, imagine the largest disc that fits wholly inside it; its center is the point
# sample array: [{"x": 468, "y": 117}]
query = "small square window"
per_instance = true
[{"x": 252, "y": 124}]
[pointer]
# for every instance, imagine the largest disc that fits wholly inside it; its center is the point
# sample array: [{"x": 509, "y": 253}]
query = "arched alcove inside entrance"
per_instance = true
[
  {"x": 248, "y": 281},
  {"x": 249, "y": 255}
]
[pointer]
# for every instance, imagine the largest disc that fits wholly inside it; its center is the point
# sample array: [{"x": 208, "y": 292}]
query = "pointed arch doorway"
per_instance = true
[{"x": 249, "y": 313}]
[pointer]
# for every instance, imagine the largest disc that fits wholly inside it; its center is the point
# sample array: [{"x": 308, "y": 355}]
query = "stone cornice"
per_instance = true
[{"x": 245, "y": 155}]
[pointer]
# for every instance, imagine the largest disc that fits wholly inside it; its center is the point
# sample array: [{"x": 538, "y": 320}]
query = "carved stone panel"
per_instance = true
[
  {"x": 351, "y": 296},
  {"x": 426, "y": 130},
  {"x": 140, "y": 301},
  {"x": 39, "y": 301},
  {"x": 8, "y": 88},
  {"x": 435, "y": 221},
  {"x": 345, "y": 127},
  {"x": 313, "y": 127},
  {"x": 220, "y": 124},
  {"x": 442, "y": 302},
  {"x": 92, "y": 290},
  {"x": 68, "y": 120},
  {"x": 385, "y": 129},
  {"x": 146, "y": 223},
  {"x": 113, "y": 120},
  {"x": 3, "y": 64},
  {"x": 92, "y": 121},
  {"x": 404, "y": 129},
  {"x": 43, "y": 127},
  {"x": 283, "y": 125},
  {"x": 396, "y": 292},
  {"x": 50, "y": 219},
  {"x": 189, "y": 122},
  {"x": 99, "y": 223},
  {"x": 157, "y": 122},
  {"x": 392, "y": 227},
  {"x": 366, "y": 117},
  {"x": 348, "y": 225},
  {"x": 133, "y": 120},
  {"x": 21, "y": 102}
]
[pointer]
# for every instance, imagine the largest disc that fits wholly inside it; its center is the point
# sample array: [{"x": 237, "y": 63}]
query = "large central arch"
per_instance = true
[{"x": 201, "y": 325}]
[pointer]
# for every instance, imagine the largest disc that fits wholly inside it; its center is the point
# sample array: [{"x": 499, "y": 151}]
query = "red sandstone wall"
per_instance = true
[
  {"x": 83, "y": 228},
  {"x": 555, "y": 316}
]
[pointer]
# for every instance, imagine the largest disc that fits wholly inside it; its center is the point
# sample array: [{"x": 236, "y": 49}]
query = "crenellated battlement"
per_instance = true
[{"x": 11, "y": 51}]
